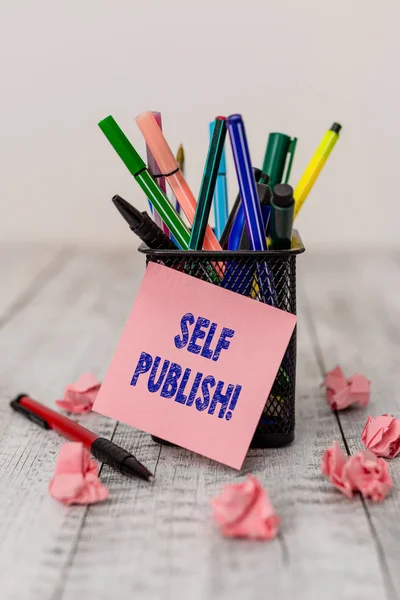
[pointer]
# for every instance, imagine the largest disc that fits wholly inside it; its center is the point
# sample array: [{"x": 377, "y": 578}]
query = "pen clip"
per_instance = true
[
  {"x": 18, "y": 407},
  {"x": 291, "y": 150}
]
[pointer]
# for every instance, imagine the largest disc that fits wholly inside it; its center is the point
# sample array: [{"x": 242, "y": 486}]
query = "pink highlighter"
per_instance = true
[{"x": 169, "y": 167}]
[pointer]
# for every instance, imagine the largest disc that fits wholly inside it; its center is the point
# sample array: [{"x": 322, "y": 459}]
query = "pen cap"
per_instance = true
[
  {"x": 222, "y": 164},
  {"x": 283, "y": 195},
  {"x": 278, "y": 147},
  {"x": 336, "y": 127},
  {"x": 157, "y": 143},
  {"x": 122, "y": 145}
]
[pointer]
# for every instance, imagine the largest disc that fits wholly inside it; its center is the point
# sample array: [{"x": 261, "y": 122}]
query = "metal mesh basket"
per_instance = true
[{"x": 268, "y": 277}]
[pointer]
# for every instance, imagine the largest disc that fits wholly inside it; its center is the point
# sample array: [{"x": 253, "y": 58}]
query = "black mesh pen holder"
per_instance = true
[{"x": 268, "y": 277}]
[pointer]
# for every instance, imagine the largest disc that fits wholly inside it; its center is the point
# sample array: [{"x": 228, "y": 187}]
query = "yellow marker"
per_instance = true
[{"x": 314, "y": 167}]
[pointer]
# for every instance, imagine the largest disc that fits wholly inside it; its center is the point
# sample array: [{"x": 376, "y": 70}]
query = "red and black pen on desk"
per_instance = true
[{"x": 101, "y": 448}]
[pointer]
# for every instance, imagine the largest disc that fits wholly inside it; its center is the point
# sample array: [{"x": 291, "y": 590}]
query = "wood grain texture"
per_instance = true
[
  {"x": 356, "y": 312},
  {"x": 165, "y": 544},
  {"x": 70, "y": 326},
  {"x": 157, "y": 540}
]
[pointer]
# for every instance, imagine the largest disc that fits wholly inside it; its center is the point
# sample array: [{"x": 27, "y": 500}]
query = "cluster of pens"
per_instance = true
[
  {"x": 262, "y": 216},
  {"x": 252, "y": 249}
]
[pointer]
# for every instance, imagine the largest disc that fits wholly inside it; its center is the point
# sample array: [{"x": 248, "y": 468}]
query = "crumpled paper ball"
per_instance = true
[
  {"x": 381, "y": 435},
  {"x": 342, "y": 393},
  {"x": 363, "y": 472},
  {"x": 369, "y": 475},
  {"x": 244, "y": 511},
  {"x": 79, "y": 397},
  {"x": 333, "y": 463},
  {"x": 76, "y": 479}
]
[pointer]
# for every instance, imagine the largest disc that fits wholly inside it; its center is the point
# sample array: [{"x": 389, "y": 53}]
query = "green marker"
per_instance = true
[
  {"x": 137, "y": 167},
  {"x": 278, "y": 147},
  {"x": 208, "y": 184}
]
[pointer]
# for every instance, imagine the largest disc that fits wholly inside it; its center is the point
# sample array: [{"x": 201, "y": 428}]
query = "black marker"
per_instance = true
[
  {"x": 144, "y": 227},
  {"x": 281, "y": 220},
  {"x": 155, "y": 239}
]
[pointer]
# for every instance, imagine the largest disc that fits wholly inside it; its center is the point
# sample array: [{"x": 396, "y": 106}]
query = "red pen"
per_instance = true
[{"x": 101, "y": 448}]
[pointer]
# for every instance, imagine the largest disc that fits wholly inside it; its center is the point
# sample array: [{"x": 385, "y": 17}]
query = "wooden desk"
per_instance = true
[{"x": 61, "y": 313}]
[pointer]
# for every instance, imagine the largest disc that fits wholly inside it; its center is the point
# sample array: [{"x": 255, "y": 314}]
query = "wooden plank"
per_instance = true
[
  {"x": 70, "y": 326},
  {"x": 159, "y": 540},
  {"x": 356, "y": 311}
]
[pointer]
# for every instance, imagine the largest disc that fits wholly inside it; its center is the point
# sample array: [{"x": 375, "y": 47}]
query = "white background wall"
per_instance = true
[{"x": 287, "y": 65}]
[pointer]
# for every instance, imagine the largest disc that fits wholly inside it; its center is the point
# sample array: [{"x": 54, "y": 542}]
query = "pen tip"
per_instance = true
[
  {"x": 131, "y": 214},
  {"x": 133, "y": 468},
  {"x": 336, "y": 127}
]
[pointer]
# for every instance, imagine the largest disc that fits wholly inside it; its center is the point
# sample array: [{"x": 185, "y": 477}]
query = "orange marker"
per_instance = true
[{"x": 169, "y": 167}]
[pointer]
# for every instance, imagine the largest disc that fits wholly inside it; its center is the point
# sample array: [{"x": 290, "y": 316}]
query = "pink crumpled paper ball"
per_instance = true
[
  {"x": 369, "y": 475},
  {"x": 381, "y": 435},
  {"x": 363, "y": 472},
  {"x": 244, "y": 511},
  {"x": 79, "y": 397},
  {"x": 76, "y": 479},
  {"x": 333, "y": 463},
  {"x": 342, "y": 393}
]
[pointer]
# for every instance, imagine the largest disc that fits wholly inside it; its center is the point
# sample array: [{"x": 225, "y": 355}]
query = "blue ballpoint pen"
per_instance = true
[
  {"x": 247, "y": 183},
  {"x": 240, "y": 279},
  {"x": 221, "y": 194},
  {"x": 239, "y": 231},
  {"x": 251, "y": 204}
]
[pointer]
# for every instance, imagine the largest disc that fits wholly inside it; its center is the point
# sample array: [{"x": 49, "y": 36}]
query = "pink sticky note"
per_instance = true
[{"x": 204, "y": 394}]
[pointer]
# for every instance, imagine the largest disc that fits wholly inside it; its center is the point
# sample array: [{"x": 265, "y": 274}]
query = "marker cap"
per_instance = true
[
  {"x": 235, "y": 118},
  {"x": 278, "y": 147},
  {"x": 157, "y": 143},
  {"x": 283, "y": 195},
  {"x": 122, "y": 145},
  {"x": 336, "y": 127}
]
